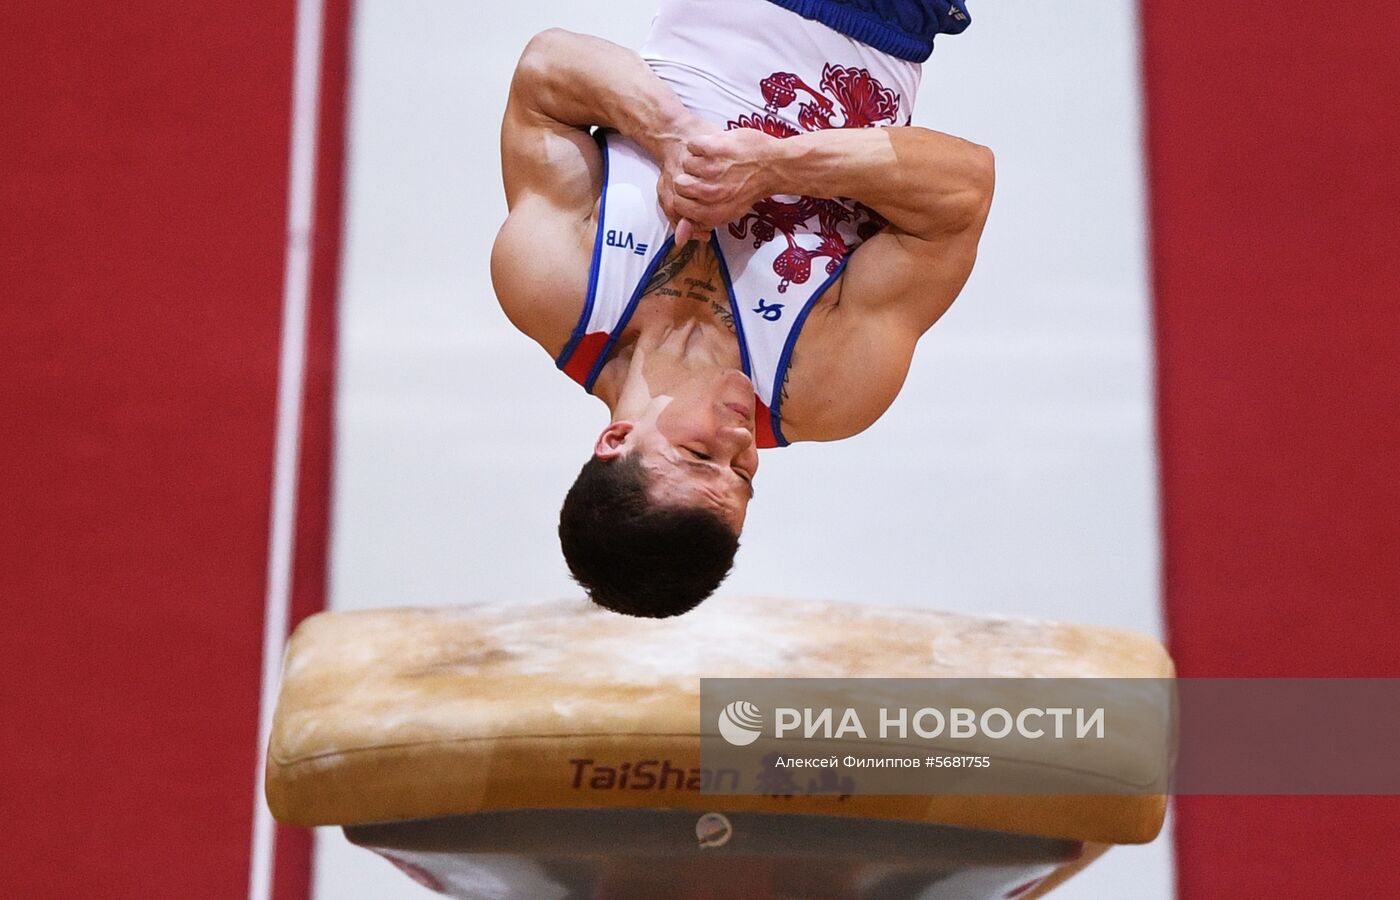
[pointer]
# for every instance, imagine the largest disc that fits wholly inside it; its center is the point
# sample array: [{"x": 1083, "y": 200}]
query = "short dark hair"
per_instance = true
[{"x": 635, "y": 556}]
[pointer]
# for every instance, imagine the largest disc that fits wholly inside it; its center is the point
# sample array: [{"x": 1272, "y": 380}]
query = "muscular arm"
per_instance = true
[
  {"x": 552, "y": 169},
  {"x": 565, "y": 83},
  {"x": 935, "y": 190},
  {"x": 927, "y": 184}
]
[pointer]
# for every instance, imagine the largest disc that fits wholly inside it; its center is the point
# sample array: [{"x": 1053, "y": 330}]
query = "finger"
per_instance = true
[
  {"x": 694, "y": 230},
  {"x": 686, "y": 208},
  {"x": 701, "y": 222},
  {"x": 685, "y": 231},
  {"x": 667, "y": 202},
  {"x": 697, "y": 190},
  {"x": 694, "y": 186},
  {"x": 702, "y": 145},
  {"x": 701, "y": 167}
]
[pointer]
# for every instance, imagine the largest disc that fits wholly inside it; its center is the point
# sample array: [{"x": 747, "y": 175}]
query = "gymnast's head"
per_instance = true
[{"x": 652, "y": 523}]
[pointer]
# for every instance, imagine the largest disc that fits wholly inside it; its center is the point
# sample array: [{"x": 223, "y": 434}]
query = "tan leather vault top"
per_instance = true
[{"x": 395, "y": 714}]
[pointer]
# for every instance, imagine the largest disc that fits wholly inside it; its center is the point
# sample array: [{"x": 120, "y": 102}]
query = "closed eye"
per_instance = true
[
  {"x": 748, "y": 481},
  {"x": 701, "y": 455}
]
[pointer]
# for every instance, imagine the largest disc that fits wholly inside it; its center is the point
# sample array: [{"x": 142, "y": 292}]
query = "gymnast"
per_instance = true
[{"x": 682, "y": 241}]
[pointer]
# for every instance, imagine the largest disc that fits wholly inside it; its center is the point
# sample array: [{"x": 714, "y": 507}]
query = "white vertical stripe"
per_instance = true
[{"x": 295, "y": 292}]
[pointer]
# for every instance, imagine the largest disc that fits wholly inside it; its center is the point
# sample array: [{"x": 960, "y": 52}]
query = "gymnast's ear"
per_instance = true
[{"x": 609, "y": 444}]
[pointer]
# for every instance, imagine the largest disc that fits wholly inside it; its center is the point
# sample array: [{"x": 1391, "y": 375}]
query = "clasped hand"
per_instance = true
[{"x": 711, "y": 177}]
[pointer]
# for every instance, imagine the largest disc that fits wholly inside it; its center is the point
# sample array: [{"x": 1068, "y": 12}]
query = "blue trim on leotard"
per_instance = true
[
  {"x": 627, "y": 313},
  {"x": 733, "y": 306},
  {"x": 582, "y": 327},
  {"x": 775, "y": 407}
]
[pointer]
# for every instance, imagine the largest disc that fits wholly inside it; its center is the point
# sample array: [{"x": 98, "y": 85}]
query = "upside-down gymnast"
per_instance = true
[{"x": 693, "y": 261}]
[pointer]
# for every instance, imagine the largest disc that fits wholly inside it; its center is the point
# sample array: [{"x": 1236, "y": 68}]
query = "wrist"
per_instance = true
[
  {"x": 780, "y": 165},
  {"x": 663, "y": 127}
]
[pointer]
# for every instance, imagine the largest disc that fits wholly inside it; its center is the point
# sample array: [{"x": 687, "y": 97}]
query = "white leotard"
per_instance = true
[{"x": 742, "y": 64}]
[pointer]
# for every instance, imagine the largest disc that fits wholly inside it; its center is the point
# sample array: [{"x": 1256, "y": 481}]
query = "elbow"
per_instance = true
[
  {"x": 981, "y": 182},
  {"x": 967, "y": 196},
  {"x": 540, "y": 53},
  {"x": 983, "y": 171},
  {"x": 548, "y": 42},
  {"x": 953, "y": 189}
]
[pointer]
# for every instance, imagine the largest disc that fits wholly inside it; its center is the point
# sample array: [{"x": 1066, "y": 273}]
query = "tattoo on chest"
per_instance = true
[
  {"x": 670, "y": 268},
  {"x": 699, "y": 288},
  {"x": 724, "y": 315},
  {"x": 698, "y": 284}
]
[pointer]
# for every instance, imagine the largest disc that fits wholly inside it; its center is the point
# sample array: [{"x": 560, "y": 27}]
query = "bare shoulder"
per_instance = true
[
  {"x": 539, "y": 269},
  {"x": 539, "y": 263},
  {"x": 909, "y": 280},
  {"x": 552, "y": 174},
  {"x": 851, "y": 361},
  {"x": 847, "y": 368}
]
